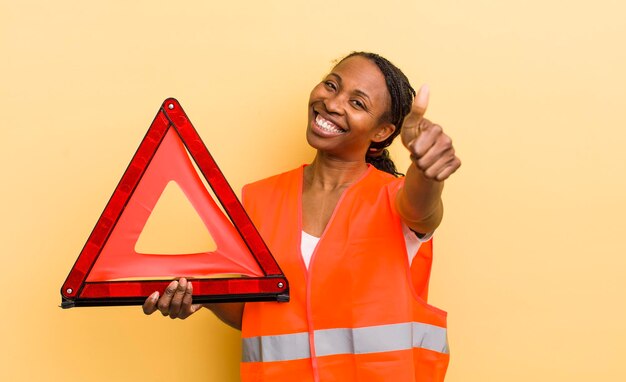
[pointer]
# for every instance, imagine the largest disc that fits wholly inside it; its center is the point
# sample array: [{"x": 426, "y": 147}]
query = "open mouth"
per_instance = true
[{"x": 327, "y": 126}]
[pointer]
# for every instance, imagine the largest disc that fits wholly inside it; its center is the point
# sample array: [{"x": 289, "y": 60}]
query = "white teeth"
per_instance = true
[{"x": 327, "y": 125}]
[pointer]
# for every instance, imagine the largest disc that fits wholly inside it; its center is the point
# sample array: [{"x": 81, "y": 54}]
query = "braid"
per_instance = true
[
  {"x": 382, "y": 161},
  {"x": 401, "y": 94}
]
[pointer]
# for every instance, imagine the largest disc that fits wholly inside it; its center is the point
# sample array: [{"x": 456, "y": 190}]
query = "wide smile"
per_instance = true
[{"x": 326, "y": 127}]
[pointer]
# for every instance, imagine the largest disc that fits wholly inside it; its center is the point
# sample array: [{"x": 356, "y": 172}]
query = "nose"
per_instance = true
[{"x": 334, "y": 104}]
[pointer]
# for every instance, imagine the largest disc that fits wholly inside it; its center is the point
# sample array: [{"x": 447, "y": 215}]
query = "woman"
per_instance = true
[{"x": 340, "y": 229}]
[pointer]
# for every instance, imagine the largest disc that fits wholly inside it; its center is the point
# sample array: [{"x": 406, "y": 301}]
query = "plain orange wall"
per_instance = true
[{"x": 530, "y": 260}]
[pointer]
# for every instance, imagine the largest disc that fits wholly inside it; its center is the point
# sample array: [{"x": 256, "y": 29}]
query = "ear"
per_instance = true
[{"x": 384, "y": 130}]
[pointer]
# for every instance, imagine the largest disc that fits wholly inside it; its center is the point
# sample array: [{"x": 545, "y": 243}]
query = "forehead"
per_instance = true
[{"x": 359, "y": 73}]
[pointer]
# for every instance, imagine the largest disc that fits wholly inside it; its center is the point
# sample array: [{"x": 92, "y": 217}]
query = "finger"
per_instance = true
[
  {"x": 177, "y": 300},
  {"x": 166, "y": 299},
  {"x": 435, "y": 162},
  {"x": 187, "y": 307},
  {"x": 435, "y": 170},
  {"x": 150, "y": 305},
  {"x": 441, "y": 149},
  {"x": 446, "y": 172},
  {"x": 426, "y": 139}
]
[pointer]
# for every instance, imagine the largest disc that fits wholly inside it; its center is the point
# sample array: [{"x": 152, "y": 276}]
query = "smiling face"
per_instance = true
[{"x": 347, "y": 110}]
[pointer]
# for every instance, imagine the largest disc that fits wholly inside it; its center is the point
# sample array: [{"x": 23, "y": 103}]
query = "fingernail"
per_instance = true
[{"x": 154, "y": 296}]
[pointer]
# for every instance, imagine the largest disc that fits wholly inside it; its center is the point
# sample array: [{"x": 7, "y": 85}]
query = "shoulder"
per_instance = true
[
  {"x": 274, "y": 181},
  {"x": 383, "y": 181},
  {"x": 270, "y": 187}
]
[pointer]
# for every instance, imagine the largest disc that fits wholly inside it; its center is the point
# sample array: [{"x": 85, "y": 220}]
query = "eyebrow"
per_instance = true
[{"x": 356, "y": 91}]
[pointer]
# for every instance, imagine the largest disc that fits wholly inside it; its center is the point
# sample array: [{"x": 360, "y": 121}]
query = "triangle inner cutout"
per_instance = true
[
  {"x": 114, "y": 269},
  {"x": 174, "y": 227}
]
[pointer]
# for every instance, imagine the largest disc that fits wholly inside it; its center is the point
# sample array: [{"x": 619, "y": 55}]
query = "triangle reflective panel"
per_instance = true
[{"x": 114, "y": 269}]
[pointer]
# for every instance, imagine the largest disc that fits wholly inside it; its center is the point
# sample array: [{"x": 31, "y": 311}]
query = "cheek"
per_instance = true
[
  {"x": 363, "y": 122},
  {"x": 316, "y": 93}
]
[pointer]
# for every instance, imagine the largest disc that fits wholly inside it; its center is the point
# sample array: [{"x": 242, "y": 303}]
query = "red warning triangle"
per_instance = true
[{"x": 109, "y": 270}]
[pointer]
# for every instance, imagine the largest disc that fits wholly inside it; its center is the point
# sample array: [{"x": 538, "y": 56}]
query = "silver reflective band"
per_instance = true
[
  {"x": 375, "y": 339},
  {"x": 285, "y": 347},
  {"x": 370, "y": 339}
]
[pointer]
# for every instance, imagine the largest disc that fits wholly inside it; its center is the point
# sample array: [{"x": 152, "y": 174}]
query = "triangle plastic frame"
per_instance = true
[{"x": 78, "y": 290}]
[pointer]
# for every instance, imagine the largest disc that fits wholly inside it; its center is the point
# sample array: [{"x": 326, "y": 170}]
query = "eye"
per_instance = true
[
  {"x": 358, "y": 104},
  {"x": 330, "y": 85}
]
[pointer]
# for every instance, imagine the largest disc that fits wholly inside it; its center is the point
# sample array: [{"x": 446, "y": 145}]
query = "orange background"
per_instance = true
[{"x": 530, "y": 260}]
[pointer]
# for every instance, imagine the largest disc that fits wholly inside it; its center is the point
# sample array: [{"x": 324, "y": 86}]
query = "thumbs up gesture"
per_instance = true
[{"x": 431, "y": 149}]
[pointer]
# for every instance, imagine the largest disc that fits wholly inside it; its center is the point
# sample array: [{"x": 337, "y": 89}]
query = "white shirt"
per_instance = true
[{"x": 411, "y": 240}]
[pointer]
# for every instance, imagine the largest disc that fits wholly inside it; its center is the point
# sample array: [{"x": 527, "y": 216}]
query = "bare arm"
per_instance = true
[
  {"x": 419, "y": 202},
  {"x": 229, "y": 313},
  {"x": 433, "y": 161}
]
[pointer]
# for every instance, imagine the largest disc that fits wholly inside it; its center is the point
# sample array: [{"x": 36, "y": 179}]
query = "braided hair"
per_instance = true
[{"x": 402, "y": 95}]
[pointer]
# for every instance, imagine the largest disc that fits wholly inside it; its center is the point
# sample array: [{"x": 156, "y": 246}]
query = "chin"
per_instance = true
[{"x": 311, "y": 139}]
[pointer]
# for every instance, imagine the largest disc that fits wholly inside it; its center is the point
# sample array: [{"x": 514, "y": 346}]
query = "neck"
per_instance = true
[{"x": 327, "y": 173}]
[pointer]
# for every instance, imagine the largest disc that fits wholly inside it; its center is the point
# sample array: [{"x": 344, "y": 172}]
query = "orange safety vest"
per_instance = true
[{"x": 355, "y": 314}]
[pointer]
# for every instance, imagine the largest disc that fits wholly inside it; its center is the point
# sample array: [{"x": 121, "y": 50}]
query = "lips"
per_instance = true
[{"x": 326, "y": 127}]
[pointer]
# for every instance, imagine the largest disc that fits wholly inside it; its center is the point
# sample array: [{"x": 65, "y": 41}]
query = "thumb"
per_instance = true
[
  {"x": 418, "y": 109},
  {"x": 410, "y": 125},
  {"x": 196, "y": 307},
  {"x": 193, "y": 308},
  {"x": 420, "y": 103}
]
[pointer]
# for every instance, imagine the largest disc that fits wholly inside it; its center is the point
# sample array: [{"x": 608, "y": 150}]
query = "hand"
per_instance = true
[
  {"x": 431, "y": 149},
  {"x": 175, "y": 302}
]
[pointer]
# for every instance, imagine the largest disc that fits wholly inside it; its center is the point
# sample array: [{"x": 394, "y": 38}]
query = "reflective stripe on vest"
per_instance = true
[{"x": 371, "y": 339}]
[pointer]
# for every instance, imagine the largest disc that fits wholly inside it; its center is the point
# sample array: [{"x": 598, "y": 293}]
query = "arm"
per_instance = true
[
  {"x": 229, "y": 313},
  {"x": 419, "y": 202},
  {"x": 433, "y": 161}
]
